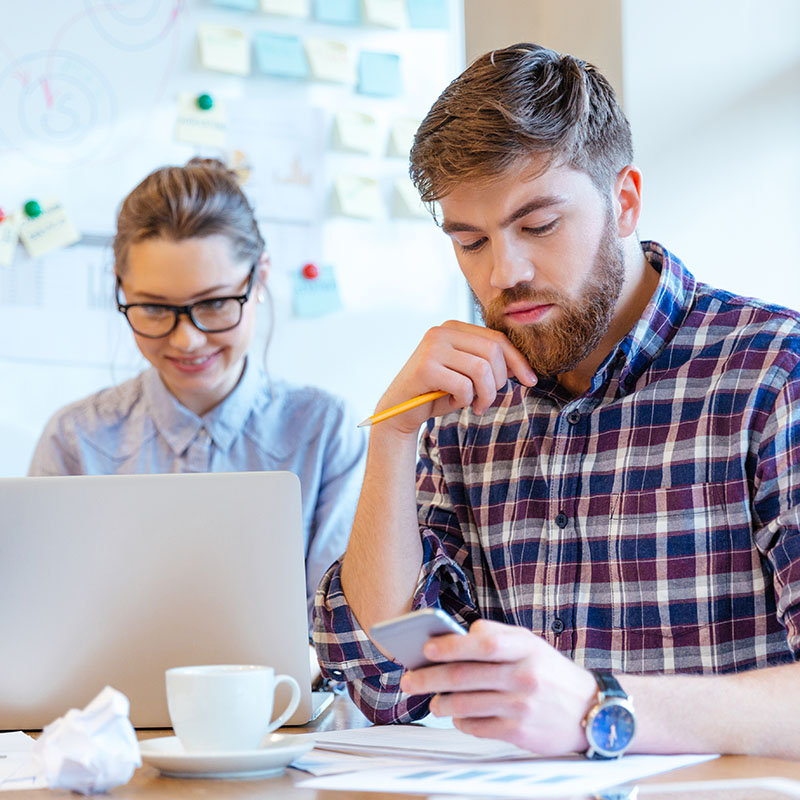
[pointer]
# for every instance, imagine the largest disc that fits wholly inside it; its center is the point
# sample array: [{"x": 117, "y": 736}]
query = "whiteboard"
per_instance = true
[{"x": 89, "y": 92}]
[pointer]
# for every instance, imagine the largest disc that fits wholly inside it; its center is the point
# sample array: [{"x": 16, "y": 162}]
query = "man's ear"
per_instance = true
[{"x": 627, "y": 199}]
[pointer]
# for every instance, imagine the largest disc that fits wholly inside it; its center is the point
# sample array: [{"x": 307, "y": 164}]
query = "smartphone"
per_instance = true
[{"x": 403, "y": 637}]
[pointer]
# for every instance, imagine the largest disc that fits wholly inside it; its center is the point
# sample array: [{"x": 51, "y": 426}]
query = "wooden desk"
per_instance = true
[{"x": 148, "y": 783}]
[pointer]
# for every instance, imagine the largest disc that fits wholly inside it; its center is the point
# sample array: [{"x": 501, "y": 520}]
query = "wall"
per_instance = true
[{"x": 89, "y": 91}]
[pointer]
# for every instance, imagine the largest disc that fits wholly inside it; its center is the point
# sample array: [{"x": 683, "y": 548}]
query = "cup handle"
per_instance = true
[{"x": 294, "y": 701}]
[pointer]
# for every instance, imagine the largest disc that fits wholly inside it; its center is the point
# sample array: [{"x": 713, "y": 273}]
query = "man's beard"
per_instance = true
[{"x": 555, "y": 347}]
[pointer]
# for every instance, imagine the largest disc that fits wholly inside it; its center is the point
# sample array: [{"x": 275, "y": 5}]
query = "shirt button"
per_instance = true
[
  {"x": 628, "y": 381},
  {"x": 574, "y": 417},
  {"x": 337, "y": 673},
  {"x": 557, "y": 625},
  {"x": 562, "y": 520}
]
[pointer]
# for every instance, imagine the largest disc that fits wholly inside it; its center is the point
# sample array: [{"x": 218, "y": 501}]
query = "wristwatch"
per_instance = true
[{"x": 610, "y": 722}]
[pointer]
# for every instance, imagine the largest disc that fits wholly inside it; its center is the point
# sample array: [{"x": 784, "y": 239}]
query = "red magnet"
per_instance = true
[
  {"x": 310, "y": 271},
  {"x": 2, "y": 215}
]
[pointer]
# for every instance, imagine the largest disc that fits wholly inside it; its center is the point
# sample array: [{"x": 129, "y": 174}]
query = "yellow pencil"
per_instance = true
[{"x": 414, "y": 402}]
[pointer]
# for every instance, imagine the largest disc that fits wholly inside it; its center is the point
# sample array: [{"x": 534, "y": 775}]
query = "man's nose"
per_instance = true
[{"x": 511, "y": 265}]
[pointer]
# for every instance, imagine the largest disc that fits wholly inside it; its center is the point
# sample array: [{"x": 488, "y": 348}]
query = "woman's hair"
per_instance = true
[
  {"x": 515, "y": 103},
  {"x": 201, "y": 199}
]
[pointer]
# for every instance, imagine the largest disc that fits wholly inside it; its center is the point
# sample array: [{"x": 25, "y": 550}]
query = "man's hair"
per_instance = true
[
  {"x": 514, "y": 103},
  {"x": 200, "y": 199}
]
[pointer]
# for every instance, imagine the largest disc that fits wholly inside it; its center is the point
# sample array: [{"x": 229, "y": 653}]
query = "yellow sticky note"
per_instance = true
[
  {"x": 406, "y": 202},
  {"x": 330, "y": 60},
  {"x": 51, "y": 230},
  {"x": 200, "y": 126},
  {"x": 386, "y": 13},
  {"x": 286, "y": 8},
  {"x": 355, "y": 131},
  {"x": 224, "y": 49},
  {"x": 8, "y": 242},
  {"x": 401, "y": 136},
  {"x": 357, "y": 196}
]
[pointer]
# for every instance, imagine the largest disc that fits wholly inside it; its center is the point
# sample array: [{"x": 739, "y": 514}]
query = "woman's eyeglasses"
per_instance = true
[{"x": 215, "y": 315}]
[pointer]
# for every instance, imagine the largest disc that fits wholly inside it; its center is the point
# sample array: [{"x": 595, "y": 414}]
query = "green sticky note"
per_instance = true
[
  {"x": 379, "y": 74},
  {"x": 316, "y": 297},
  {"x": 340, "y": 12},
  {"x": 280, "y": 55},
  {"x": 428, "y": 14}
]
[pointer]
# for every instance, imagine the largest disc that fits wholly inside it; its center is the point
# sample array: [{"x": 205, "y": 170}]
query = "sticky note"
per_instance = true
[
  {"x": 401, "y": 136},
  {"x": 428, "y": 14},
  {"x": 379, "y": 74},
  {"x": 8, "y": 242},
  {"x": 386, "y": 13},
  {"x": 281, "y": 55},
  {"x": 406, "y": 202},
  {"x": 355, "y": 131},
  {"x": 198, "y": 126},
  {"x": 329, "y": 60},
  {"x": 286, "y": 8},
  {"x": 339, "y": 12},
  {"x": 357, "y": 196},
  {"x": 242, "y": 5},
  {"x": 51, "y": 230},
  {"x": 313, "y": 298},
  {"x": 224, "y": 49}
]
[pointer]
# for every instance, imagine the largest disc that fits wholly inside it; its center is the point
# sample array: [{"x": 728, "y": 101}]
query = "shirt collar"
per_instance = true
[
  {"x": 662, "y": 317},
  {"x": 179, "y": 426}
]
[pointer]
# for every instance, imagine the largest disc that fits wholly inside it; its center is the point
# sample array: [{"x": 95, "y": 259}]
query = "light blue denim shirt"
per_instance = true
[{"x": 139, "y": 427}]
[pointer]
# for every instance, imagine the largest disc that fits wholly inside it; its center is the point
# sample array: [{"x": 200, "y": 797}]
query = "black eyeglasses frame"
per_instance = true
[{"x": 179, "y": 311}]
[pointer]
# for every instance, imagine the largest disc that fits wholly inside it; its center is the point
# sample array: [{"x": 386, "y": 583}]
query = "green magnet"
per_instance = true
[
  {"x": 205, "y": 101},
  {"x": 32, "y": 209}
]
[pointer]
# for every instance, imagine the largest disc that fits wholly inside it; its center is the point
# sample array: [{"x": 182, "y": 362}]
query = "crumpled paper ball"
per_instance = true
[{"x": 93, "y": 750}]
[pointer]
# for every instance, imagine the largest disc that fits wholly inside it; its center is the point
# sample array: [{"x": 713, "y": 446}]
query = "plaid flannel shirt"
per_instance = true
[{"x": 649, "y": 525}]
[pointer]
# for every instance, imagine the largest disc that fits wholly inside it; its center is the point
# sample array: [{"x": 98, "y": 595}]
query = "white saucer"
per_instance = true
[{"x": 168, "y": 756}]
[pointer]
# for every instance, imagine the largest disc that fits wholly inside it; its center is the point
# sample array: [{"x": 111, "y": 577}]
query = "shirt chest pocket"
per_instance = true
[{"x": 671, "y": 554}]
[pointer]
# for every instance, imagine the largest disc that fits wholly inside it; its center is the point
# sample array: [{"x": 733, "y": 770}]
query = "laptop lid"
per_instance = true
[{"x": 110, "y": 580}]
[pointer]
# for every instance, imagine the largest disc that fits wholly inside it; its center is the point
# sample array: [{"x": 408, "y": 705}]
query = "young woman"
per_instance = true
[{"x": 191, "y": 270}]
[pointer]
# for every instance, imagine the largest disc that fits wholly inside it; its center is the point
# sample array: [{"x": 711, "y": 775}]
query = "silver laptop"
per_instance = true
[{"x": 110, "y": 580}]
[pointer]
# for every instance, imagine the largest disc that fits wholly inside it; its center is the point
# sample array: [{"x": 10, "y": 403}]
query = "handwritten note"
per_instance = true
[
  {"x": 286, "y": 8},
  {"x": 405, "y": 201},
  {"x": 329, "y": 60},
  {"x": 386, "y": 13},
  {"x": 355, "y": 131},
  {"x": 313, "y": 298},
  {"x": 51, "y": 230},
  {"x": 401, "y": 136},
  {"x": 339, "y": 12},
  {"x": 280, "y": 55},
  {"x": 200, "y": 126},
  {"x": 379, "y": 74},
  {"x": 357, "y": 196},
  {"x": 428, "y": 14},
  {"x": 224, "y": 49}
]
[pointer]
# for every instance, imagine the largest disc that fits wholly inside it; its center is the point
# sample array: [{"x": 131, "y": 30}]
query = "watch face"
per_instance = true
[{"x": 612, "y": 728}]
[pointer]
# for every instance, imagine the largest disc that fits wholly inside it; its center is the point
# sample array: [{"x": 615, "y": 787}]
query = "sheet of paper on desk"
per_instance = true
[
  {"x": 18, "y": 767},
  {"x": 417, "y": 741},
  {"x": 535, "y": 777}
]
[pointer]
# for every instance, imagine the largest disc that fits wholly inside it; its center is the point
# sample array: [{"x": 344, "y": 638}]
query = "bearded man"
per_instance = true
[{"x": 608, "y": 495}]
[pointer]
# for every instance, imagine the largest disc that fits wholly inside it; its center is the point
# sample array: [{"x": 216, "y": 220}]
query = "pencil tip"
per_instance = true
[{"x": 363, "y": 424}]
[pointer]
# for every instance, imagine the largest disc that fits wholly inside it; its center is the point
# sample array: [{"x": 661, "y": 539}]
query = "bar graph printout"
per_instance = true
[{"x": 530, "y": 778}]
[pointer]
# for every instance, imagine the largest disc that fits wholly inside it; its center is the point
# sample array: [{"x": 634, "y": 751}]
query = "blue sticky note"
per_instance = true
[
  {"x": 340, "y": 12},
  {"x": 281, "y": 55},
  {"x": 428, "y": 14},
  {"x": 242, "y": 5},
  {"x": 379, "y": 74},
  {"x": 313, "y": 298}
]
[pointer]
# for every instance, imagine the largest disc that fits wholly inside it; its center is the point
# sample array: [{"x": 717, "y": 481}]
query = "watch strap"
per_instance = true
[{"x": 608, "y": 684}]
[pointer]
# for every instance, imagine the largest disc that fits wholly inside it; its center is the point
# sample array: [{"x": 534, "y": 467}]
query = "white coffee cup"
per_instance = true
[{"x": 225, "y": 707}]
